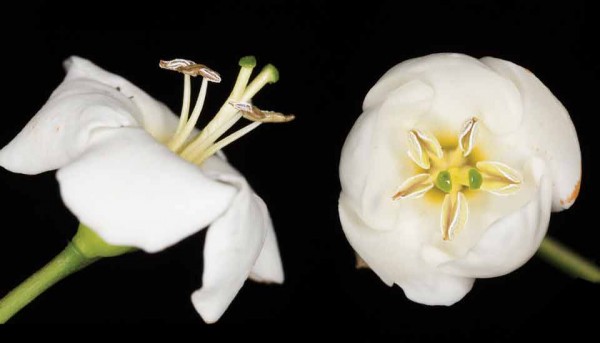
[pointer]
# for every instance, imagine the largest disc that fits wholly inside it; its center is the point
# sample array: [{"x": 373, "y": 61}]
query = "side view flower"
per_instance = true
[
  {"x": 137, "y": 177},
  {"x": 451, "y": 173}
]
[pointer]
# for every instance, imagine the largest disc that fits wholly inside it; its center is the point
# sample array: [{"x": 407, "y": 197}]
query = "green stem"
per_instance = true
[
  {"x": 64, "y": 264},
  {"x": 568, "y": 261}
]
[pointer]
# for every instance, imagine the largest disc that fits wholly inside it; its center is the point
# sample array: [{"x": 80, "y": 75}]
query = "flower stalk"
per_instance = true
[
  {"x": 85, "y": 248},
  {"x": 64, "y": 264},
  {"x": 568, "y": 261}
]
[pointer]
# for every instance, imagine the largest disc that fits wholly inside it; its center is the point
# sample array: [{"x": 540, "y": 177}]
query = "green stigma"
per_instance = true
[
  {"x": 475, "y": 179},
  {"x": 247, "y": 62},
  {"x": 444, "y": 181},
  {"x": 273, "y": 73}
]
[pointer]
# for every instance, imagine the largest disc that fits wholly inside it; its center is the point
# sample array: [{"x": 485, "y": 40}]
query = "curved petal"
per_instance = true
[
  {"x": 268, "y": 267},
  {"x": 133, "y": 191},
  {"x": 61, "y": 130},
  {"x": 464, "y": 88},
  {"x": 512, "y": 240},
  {"x": 393, "y": 256},
  {"x": 546, "y": 129},
  {"x": 374, "y": 161},
  {"x": 233, "y": 244},
  {"x": 89, "y": 98},
  {"x": 153, "y": 115}
]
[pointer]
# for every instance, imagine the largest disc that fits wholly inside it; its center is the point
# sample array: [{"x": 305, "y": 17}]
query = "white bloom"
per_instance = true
[
  {"x": 107, "y": 138},
  {"x": 451, "y": 172}
]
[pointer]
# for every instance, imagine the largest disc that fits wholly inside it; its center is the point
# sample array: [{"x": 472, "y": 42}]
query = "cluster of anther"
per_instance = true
[
  {"x": 453, "y": 172},
  {"x": 239, "y": 104}
]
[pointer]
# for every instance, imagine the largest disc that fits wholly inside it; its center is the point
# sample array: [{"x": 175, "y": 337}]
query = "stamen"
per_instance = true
[
  {"x": 201, "y": 70},
  {"x": 421, "y": 146},
  {"x": 498, "y": 178},
  {"x": 180, "y": 138},
  {"x": 185, "y": 107},
  {"x": 466, "y": 139},
  {"x": 228, "y": 115},
  {"x": 175, "y": 64},
  {"x": 225, "y": 142},
  {"x": 414, "y": 187},
  {"x": 500, "y": 170},
  {"x": 253, "y": 113},
  {"x": 238, "y": 105},
  {"x": 455, "y": 214},
  {"x": 190, "y": 68}
]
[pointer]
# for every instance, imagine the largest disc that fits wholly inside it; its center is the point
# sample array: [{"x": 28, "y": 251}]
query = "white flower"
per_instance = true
[
  {"x": 108, "y": 139},
  {"x": 451, "y": 172}
]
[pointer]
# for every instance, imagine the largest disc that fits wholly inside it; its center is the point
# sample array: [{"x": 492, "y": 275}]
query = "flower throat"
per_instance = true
[{"x": 453, "y": 171}]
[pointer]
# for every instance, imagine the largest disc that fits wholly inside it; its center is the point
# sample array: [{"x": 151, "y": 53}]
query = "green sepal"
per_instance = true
[{"x": 91, "y": 245}]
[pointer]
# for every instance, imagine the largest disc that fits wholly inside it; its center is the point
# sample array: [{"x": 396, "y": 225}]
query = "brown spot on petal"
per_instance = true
[
  {"x": 360, "y": 263},
  {"x": 571, "y": 198}
]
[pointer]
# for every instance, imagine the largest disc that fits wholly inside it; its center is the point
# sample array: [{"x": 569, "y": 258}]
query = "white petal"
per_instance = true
[
  {"x": 61, "y": 130},
  {"x": 374, "y": 163},
  {"x": 512, "y": 240},
  {"x": 268, "y": 267},
  {"x": 546, "y": 129},
  {"x": 87, "y": 100},
  {"x": 463, "y": 86},
  {"x": 133, "y": 191},
  {"x": 394, "y": 257},
  {"x": 233, "y": 244},
  {"x": 153, "y": 115}
]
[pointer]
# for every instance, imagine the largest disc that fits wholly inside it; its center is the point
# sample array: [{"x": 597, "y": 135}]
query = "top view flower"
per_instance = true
[
  {"x": 452, "y": 171},
  {"x": 136, "y": 176}
]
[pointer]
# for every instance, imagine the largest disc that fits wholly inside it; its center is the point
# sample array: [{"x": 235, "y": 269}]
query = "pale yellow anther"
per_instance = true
[
  {"x": 414, "y": 187},
  {"x": 455, "y": 214},
  {"x": 498, "y": 178},
  {"x": 421, "y": 146},
  {"x": 468, "y": 134}
]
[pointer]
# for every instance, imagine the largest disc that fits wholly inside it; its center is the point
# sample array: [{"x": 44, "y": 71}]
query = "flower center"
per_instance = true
[
  {"x": 197, "y": 148},
  {"x": 454, "y": 171}
]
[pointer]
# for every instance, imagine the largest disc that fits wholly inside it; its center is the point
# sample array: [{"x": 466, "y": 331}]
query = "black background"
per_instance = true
[{"x": 328, "y": 55}]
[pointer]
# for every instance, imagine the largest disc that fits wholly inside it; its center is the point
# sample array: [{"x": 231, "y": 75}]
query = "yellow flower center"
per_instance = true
[{"x": 454, "y": 171}]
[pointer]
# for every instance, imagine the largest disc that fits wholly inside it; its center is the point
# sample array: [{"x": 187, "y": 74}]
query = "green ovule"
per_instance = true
[
  {"x": 475, "y": 179},
  {"x": 444, "y": 181}
]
